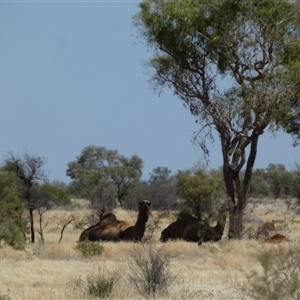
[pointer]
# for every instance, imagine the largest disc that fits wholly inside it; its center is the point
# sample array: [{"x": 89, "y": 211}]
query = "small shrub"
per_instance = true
[
  {"x": 150, "y": 274},
  {"x": 79, "y": 224},
  {"x": 99, "y": 285},
  {"x": 4, "y": 297},
  {"x": 152, "y": 227},
  {"x": 90, "y": 248},
  {"x": 279, "y": 277}
]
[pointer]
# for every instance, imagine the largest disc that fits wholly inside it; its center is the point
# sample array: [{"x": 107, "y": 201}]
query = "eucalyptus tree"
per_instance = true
[
  {"x": 236, "y": 66},
  {"x": 160, "y": 174},
  {"x": 103, "y": 175}
]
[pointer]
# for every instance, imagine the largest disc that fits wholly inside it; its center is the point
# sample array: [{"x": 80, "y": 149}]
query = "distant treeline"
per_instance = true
[
  {"x": 275, "y": 181},
  {"x": 108, "y": 180}
]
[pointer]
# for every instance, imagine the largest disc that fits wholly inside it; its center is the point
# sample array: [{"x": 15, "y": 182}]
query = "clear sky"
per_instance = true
[{"x": 71, "y": 75}]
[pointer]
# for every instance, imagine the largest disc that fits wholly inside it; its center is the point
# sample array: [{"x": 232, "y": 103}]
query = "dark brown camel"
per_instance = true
[
  {"x": 84, "y": 236},
  {"x": 112, "y": 229},
  {"x": 136, "y": 232},
  {"x": 190, "y": 229}
]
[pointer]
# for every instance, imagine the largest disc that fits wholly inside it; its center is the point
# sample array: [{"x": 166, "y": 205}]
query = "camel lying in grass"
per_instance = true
[
  {"x": 112, "y": 229},
  {"x": 109, "y": 218},
  {"x": 190, "y": 229}
]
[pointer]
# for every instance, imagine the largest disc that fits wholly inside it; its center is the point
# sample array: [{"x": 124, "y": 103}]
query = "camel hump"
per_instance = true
[
  {"x": 277, "y": 238},
  {"x": 109, "y": 218}
]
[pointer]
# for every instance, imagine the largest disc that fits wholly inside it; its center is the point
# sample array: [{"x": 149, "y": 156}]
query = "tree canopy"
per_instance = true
[
  {"x": 236, "y": 66},
  {"x": 102, "y": 175},
  {"x": 202, "y": 192}
]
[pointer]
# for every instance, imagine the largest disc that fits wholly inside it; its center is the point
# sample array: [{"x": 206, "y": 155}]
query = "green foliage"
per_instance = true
[
  {"x": 280, "y": 180},
  {"x": 98, "y": 285},
  {"x": 12, "y": 225},
  {"x": 255, "y": 44},
  {"x": 159, "y": 174},
  {"x": 90, "y": 248},
  {"x": 79, "y": 224},
  {"x": 259, "y": 184},
  {"x": 101, "y": 175},
  {"x": 59, "y": 196},
  {"x": 28, "y": 171},
  {"x": 253, "y": 49},
  {"x": 275, "y": 181},
  {"x": 279, "y": 275},
  {"x": 202, "y": 191}
]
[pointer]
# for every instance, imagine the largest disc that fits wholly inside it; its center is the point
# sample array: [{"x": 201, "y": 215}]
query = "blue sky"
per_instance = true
[{"x": 71, "y": 75}]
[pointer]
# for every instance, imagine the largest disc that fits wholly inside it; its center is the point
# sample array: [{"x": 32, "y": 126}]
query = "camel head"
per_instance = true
[
  {"x": 144, "y": 206},
  {"x": 136, "y": 232},
  {"x": 144, "y": 212}
]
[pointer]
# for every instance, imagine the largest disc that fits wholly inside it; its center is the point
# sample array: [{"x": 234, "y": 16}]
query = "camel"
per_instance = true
[
  {"x": 277, "y": 238},
  {"x": 136, "y": 232},
  {"x": 190, "y": 229},
  {"x": 182, "y": 228},
  {"x": 84, "y": 236},
  {"x": 112, "y": 229}
]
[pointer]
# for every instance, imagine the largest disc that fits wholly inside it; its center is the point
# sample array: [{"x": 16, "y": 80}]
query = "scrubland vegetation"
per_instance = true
[
  {"x": 228, "y": 269},
  {"x": 40, "y": 257}
]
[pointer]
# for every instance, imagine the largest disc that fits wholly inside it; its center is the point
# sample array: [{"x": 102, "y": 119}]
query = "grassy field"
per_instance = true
[{"x": 218, "y": 270}]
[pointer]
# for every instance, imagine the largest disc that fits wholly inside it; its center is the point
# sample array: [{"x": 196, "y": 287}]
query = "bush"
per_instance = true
[
  {"x": 90, "y": 248},
  {"x": 12, "y": 224},
  {"x": 99, "y": 285},
  {"x": 150, "y": 274},
  {"x": 4, "y": 297},
  {"x": 202, "y": 191},
  {"x": 79, "y": 224},
  {"x": 14, "y": 237},
  {"x": 279, "y": 277},
  {"x": 58, "y": 195}
]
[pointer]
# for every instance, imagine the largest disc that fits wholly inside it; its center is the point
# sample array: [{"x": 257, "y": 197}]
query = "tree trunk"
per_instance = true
[
  {"x": 31, "y": 225},
  {"x": 41, "y": 228},
  {"x": 242, "y": 191},
  {"x": 235, "y": 222}
]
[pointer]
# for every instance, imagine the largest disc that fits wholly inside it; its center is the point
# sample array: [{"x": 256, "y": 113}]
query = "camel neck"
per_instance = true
[{"x": 142, "y": 219}]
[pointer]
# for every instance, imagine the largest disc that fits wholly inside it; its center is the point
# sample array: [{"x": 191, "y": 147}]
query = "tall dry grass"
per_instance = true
[{"x": 210, "y": 271}]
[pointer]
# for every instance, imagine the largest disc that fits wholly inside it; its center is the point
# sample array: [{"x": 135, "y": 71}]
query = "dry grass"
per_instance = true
[{"x": 211, "y": 271}]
